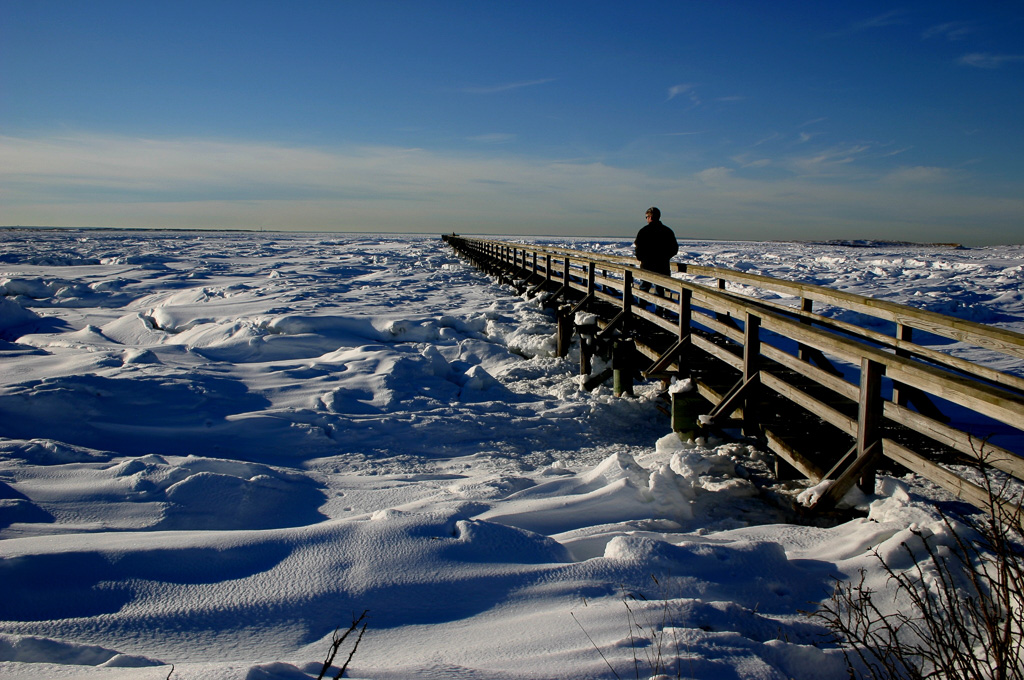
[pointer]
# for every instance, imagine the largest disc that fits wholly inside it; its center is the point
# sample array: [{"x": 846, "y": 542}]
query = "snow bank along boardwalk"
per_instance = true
[{"x": 832, "y": 399}]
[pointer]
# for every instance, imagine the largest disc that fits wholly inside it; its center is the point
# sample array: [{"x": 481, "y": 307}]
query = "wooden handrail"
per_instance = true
[{"x": 740, "y": 330}]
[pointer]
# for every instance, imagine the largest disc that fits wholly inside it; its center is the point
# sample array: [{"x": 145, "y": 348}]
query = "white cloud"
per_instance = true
[
  {"x": 827, "y": 161},
  {"x": 989, "y": 60},
  {"x": 952, "y": 31},
  {"x": 505, "y": 87},
  {"x": 684, "y": 89},
  {"x": 94, "y": 180},
  {"x": 894, "y": 17},
  {"x": 493, "y": 138},
  {"x": 813, "y": 121},
  {"x": 714, "y": 175},
  {"x": 747, "y": 161},
  {"x": 677, "y": 90},
  {"x": 919, "y": 174}
]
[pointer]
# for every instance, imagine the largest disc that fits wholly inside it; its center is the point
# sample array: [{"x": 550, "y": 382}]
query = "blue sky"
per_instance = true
[{"x": 740, "y": 120}]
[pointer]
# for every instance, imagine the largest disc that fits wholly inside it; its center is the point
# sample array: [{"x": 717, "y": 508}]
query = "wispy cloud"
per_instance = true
[
  {"x": 894, "y": 17},
  {"x": 493, "y": 138},
  {"x": 953, "y": 31},
  {"x": 918, "y": 174},
  {"x": 747, "y": 161},
  {"x": 505, "y": 87},
  {"x": 714, "y": 176},
  {"x": 989, "y": 60},
  {"x": 827, "y": 161},
  {"x": 773, "y": 137},
  {"x": 813, "y": 121},
  {"x": 100, "y": 180},
  {"x": 682, "y": 89}
]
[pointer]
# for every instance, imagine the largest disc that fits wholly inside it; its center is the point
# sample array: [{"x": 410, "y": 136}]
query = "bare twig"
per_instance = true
[
  {"x": 964, "y": 612},
  {"x": 338, "y": 640},
  {"x": 603, "y": 657}
]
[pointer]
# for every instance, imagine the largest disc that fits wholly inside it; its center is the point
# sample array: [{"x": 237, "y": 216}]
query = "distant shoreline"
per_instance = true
[{"x": 843, "y": 243}]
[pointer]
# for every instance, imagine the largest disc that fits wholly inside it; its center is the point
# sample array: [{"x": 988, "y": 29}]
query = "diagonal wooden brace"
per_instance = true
[
  {"x": 582, "y": 304},
  {"x": 731, "y": 399},
  {"x": 610, "y": 328},
  {"x": 848, "y": 478},
  {"x": 668, "y": 357},
  {"x": 553, "y": 300}
]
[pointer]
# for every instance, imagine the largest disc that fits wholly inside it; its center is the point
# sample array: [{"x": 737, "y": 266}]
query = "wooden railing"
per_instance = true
[{"x": 885, "y": 394}]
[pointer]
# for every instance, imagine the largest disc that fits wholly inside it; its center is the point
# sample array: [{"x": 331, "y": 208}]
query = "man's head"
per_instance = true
[{"x": 653, "y": 214}]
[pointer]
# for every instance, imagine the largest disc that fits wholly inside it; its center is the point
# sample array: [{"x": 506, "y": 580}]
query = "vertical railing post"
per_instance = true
[
  {"x": 869, "y": 416},
  {"x": 751, "y": 356},
  {"x": 627, "y": 292},
  {"x": 564, "y": 329},
  {"x": 685, "y": 312},
  {"x": 899, "y": 392},
  {"x": 806, "y": 305}
]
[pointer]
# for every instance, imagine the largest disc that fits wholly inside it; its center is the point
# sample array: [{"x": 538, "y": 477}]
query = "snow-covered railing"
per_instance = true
[{"x": 781, "y": 371}]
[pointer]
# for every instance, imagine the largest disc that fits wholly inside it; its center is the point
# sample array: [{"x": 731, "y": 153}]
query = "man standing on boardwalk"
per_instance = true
[{"x": 655, "y": 245}]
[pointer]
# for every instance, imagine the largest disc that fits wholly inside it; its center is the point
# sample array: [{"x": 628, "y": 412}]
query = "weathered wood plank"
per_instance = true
[
  {"x": 991, "y": 337},
  {"x": 718, "y": 352},
  {"x": 805, "y": 465},
  {"x": 833, "y": 382},
  {"x": 819, "y": 408},
  {"x": 996, "y": 456},
  {"x": 706, "y": 315},
  {"x": 951, "y": 482}
]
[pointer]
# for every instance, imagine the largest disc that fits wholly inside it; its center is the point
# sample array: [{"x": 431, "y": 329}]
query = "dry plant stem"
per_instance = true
[
  {"x": 336, "y": 642},
  {"x": 964, "y": 616},
  {"x": 603, "y": 657}
]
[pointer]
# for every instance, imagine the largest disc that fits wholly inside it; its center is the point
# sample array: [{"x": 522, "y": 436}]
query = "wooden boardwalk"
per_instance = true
[{"x": 830, "y": 399}]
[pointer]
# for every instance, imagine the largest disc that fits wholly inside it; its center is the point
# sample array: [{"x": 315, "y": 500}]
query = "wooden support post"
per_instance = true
[
  {"x": 685, "y": 313},
  {"x": 622, "y": 366},
  {"x": 565, "y": 328},
  {"x": 805, "y": 306},
  {"x": 627, "y": 291},
  {"x": 751, "y": 355},
  {"x": 899, "y": 391},
  {"x": 686, "y": 407},
  {"x": 588, "y": 345},
  {"x": 869, "y": 416}
]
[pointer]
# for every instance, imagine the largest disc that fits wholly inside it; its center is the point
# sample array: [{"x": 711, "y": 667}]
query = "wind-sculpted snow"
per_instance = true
[{"x": 217, "y": 447}]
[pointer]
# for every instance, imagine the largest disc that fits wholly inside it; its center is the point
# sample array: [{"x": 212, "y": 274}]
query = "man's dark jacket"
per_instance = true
[{"x": 655, "y": 245}]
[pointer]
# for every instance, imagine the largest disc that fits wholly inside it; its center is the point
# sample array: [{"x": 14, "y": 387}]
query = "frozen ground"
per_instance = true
[{"x": 215, "y": 448}]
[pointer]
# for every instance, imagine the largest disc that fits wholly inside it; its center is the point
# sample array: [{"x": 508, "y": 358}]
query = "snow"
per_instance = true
[{"x": 217, "y": 448}]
